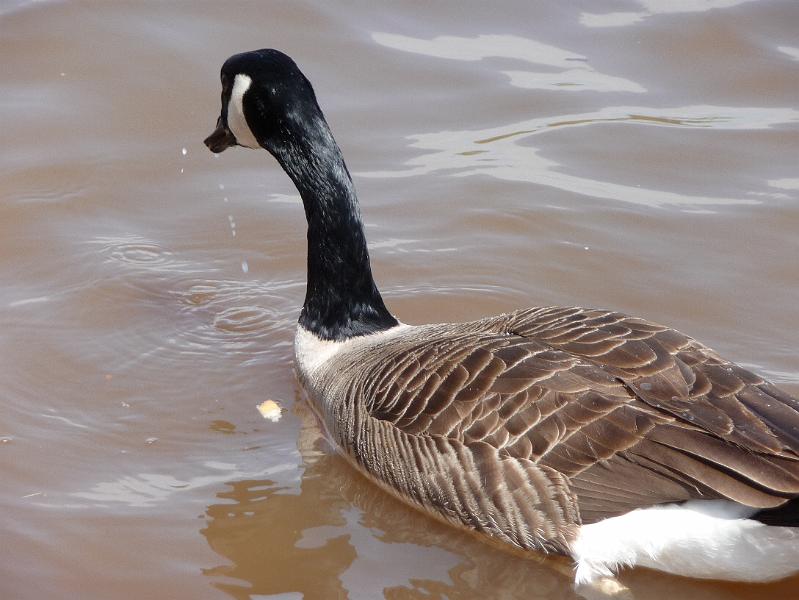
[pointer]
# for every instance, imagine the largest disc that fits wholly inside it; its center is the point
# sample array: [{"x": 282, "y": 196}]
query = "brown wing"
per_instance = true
[{"x": 632, "y": 413}]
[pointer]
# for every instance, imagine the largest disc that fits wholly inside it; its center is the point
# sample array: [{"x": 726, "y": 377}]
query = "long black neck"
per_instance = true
[{"x": 341, "y": 300}]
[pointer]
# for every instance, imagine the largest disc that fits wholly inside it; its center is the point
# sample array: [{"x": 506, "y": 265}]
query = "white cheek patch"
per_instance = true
[{"x": 236, "y": 121}]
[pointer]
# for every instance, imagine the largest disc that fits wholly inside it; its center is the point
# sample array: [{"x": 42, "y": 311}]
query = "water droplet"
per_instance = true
[
  {"x": 221, "y": 186},
  {"x": 184, "y": 152},
  {"x": 63, "y": 74},
  {"x": 151, "y": 440},
  {"x": 5, "y": 439},
  {"x": 586, "y": 247},
  {"x": 225, "y": 199},
  {"x": 245, "y": 267}
]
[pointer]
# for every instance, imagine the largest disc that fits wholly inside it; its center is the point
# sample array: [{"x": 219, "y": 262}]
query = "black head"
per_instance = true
[{"x": 263, "y": 93}]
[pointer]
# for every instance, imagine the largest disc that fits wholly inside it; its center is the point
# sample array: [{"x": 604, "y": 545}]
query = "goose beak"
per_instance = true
[{"x": 221, "y": 139}]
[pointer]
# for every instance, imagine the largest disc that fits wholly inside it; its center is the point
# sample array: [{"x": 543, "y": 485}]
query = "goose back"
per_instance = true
[{"x": 526, "y": 425}]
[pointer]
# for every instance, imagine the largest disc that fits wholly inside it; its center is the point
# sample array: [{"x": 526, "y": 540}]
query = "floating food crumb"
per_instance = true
[{"x": 270, "y": 409}]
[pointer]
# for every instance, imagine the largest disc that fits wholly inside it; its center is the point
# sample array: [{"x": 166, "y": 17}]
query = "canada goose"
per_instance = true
[{"x": 589, "y": 433}]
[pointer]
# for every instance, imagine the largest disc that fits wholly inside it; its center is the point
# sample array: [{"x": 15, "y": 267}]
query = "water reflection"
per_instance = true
[
  {"x": 652, "y": 8},
  {"x": 356, "y": 542},
  {"x": 790, "y": 51},
  {"x": 148, "y": 489},
  {"x": 505, "y": 152},
  {"x": 576, "y": 74},
  {"x": 336, "y": 535},
  {"x": 572, "y": 80},
  {"x": 787, "y": 183}
]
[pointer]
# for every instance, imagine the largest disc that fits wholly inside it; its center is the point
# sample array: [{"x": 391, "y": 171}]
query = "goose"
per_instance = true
[{"x": 588, "y": 433}]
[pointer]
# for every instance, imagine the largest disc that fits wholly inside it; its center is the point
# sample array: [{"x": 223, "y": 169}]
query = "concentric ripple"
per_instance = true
[
  {"x": 131, "y": 249},
  {"x": 243, "y": 319},
  {"x": 140, "y": 254}
]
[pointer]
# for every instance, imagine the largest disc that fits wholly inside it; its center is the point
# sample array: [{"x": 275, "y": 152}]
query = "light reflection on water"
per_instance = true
[
  {"x": 576, "y": 74},
  {"x": 504, "y": 152},
  {"x": 652, "y": 8},
  {"x": 505, "y": 158}
]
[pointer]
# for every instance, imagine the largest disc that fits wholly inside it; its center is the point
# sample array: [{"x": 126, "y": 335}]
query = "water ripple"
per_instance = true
[
  {"x": 147, "y": 489},
  {"x": 136, "y": 251},
  {"x": 159, "y": 309},
  {"x": 653, "y": 8},
  {"x": 498, "y": 151},
  {"x": 577, "y": 74},
  {"x": 244, "y": 319},
  {"x": 238, "y": 317}
]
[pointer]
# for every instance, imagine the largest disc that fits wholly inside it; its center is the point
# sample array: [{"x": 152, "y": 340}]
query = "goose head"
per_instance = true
[
  {"x": 266, "y": 100},
  {"x": 268, "y": 103}
]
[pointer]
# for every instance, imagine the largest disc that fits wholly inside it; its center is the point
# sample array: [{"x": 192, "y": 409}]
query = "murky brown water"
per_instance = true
[{"x": 635, "y": 155}]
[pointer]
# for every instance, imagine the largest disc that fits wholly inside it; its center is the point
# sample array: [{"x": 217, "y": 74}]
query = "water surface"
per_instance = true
[{"x": 633, "y": 155}]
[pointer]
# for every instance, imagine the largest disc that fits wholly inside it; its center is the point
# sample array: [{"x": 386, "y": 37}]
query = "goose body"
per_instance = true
[{"x": 588, "y": 433}]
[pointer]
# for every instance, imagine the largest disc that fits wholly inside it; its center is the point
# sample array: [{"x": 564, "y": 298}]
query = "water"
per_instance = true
[{"x": 634, "y": 155}]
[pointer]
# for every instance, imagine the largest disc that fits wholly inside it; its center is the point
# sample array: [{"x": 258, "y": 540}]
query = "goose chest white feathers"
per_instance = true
[{"x": 588, "y": 433}]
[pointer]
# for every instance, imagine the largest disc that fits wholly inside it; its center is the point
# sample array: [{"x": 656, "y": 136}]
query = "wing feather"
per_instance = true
[{"x": 629, "y": 413}]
